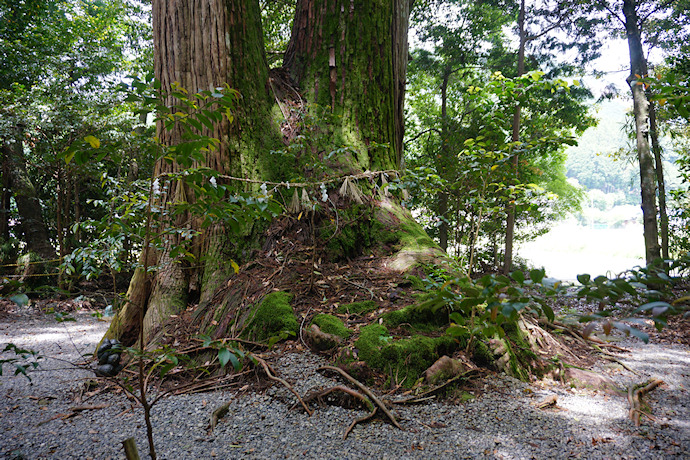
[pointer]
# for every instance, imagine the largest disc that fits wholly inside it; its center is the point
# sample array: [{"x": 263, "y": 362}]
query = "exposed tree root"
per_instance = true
[
  {"x": 318, "y": 395},
  {"x": 546, "y": 402},
  {"x": 611, "y": 357},
  {"x": 217, "y": 414},
  {"x": 431, "y": 393},
  {"x": 589, "y": 341},
  {"x": 635, "y": 394},
  {"x": 270, "y": 374},
  {"x": 366, "y": 391},
  {"x": 360, "y": 420}
]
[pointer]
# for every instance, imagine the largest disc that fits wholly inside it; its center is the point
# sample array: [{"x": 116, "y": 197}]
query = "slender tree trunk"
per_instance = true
[
  {"x": 515, "y": 137},
  {"x": 638, "y": 69},
  {"x": 60, "y": 197},
  {"x": 30, "y": 212},
  {"x": 659, "y": 166},
  {"x": 442, "y": 162},
  {"x": 5, "y": 198}
]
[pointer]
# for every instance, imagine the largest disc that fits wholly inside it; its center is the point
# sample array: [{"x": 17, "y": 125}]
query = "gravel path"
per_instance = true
[{"x": 503, "y": 423}]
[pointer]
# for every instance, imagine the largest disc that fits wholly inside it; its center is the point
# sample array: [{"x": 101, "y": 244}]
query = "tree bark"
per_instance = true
[
  {"x": 661, "y": 184},
  {"x": 353, "y": 59},
  {"x": 515, "y": 137},
  {"x": 202, "y": 45},
  {"x": 638, "y": 70},
  {"x": 31, "y": 219}
]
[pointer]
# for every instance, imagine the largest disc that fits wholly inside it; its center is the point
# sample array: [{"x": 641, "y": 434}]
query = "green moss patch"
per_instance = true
[
  {"x": 272, "y": 317},
  {"x": 404, "y": 359},
  {"x": 358, "y": 308},
  {"x": 416, "y": 317},
  {"x": 331, "y": 325}
]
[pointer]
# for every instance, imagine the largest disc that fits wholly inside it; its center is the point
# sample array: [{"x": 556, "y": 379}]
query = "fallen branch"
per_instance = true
[
  {"x": 267, "y": 370},
  {"x": 366, "y": 391},
  {"x": 635, "y": 392}
]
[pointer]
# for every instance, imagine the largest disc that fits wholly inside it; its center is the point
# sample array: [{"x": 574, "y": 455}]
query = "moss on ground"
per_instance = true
[
  {"x": 272, "y": 316},
  {"x": 404, "y": 359},
  {"x": 413, "y": 282},
  {"x": 416, "y": 317},
  {"x": 358, "y": 308},
  {"x": 331, "y": 325}
]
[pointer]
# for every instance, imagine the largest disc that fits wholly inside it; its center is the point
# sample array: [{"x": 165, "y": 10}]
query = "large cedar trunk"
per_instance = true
[
  {"x": 353, "y": 58},
  {"x": 201, "y": 45},
  {"x": 638, "y": 69},
  {"x": 350, "y": 58}
]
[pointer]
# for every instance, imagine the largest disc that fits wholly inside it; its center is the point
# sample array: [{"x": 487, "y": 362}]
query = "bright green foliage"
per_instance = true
[
  {"x": 23, "y": 361},
  {"x": 276, "y": 21},
  {"x": 462, "y": 97},
  {"x": 480, "y": 180},
  {"x": 227, "y": 352},
  {"x": 331, "y": 325},
  {"x": 62, "y": 93},
  {"x": 272, "y": 317}
]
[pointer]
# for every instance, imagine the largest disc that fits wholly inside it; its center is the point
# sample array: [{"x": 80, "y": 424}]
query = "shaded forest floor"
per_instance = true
[{"x": 499, "y": 416}]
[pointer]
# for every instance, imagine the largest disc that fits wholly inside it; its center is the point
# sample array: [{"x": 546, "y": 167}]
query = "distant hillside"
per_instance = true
[
  {"x": 605, "y": 160},
  {"x": 596, "y": 162}
]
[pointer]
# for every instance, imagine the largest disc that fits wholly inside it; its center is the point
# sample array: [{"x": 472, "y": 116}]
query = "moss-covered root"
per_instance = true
[
  {"x": 415, "y": 247},
  {"x": 513, "y": 354},
  {"x": 358, "y": 308},
  {"x": 332, "y": 325},
  {"x": 327, "y": 332},
  {"x": 272, "y": 318},
  {"x": 405, "y": 359}
]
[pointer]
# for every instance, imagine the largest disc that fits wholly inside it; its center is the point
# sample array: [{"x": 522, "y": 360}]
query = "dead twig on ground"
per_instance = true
[{"x": 73, "y": 411}]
